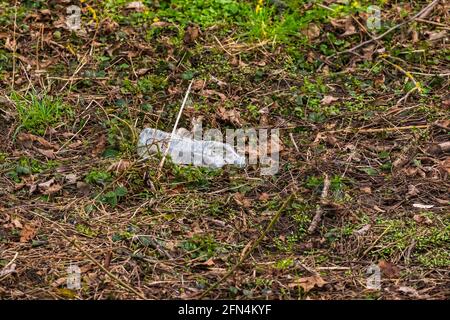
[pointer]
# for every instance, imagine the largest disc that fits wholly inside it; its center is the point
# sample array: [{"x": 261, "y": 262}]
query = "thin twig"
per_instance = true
[
  {"x": 428, "y": 8},
  {"x": 76, "y": 245},
  {"x": 246, "y": 252},
  {"x": 374, "y": 130},
  {"x": 319, "y": 211},
  {"x": 175, "y": 127},
  {"x": 14, "y": 46}
]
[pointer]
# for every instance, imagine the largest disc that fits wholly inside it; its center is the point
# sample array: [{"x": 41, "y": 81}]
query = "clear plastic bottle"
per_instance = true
[{"x": 185, "y": 150}]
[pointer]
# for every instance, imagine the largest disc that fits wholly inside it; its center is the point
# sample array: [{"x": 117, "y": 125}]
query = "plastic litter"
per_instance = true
[{"x": 185, "y": 150}]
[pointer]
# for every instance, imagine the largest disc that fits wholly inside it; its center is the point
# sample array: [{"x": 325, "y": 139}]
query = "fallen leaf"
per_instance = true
[
  {"x": 7, "y": 270},
  {"x": 412, "y": 191},
  {"x": 160, "y": 24},
  {"x": 264, "y": 196},
  {"x": 432, "y": 36},
  {"x": 53, "y": 189},
  {"x": 312, "y": 31},
  {"x": 242, "y": 201},
  {"x": 46, "y": 185},
  {"x": 142, "y": 71},
  {"x": 48, "y": 153},
  {"x": 389, "y": 269},
  {"x": 231, "y": 115},
  {"x": 119, "y": 166},
  {"x": 363, "y": 230},
  {"x": 308, "y": 283},
  {"x": 422, "y": 219},
  {"x": 75, "y": 144},
  {"x": 349, "y": 29},
  {"x": 328, "y": 100},
  {"x": 209, "y": 262},
  {"x": 70, "y": 178},
  {"x": 209, "y": 93},
  {"x": 344, "y": 24},
  {"x": 28, "y": 232},
  {"x": 445, "y": 164},
  {"x": 446, "y": 103},
  {"x": 408, "y": 291},
  {"x": 49, "y": 187},
  {"x": 192, "y": 33},
  {"x": 16, "y": 223},
  {"x": 367, "y": 190},
  {"x": 28, "y": 137},
  {"x": 135, "y": 5},
  {"x": 100, "y": 146},
  {"x": 10, "y": 44},
  {"x": 198, "y": 84}
]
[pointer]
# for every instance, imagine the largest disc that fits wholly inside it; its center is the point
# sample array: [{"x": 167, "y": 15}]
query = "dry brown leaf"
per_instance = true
[
  {"x": 46, "y": 152},
  {"x": 46, "y": 185},
  {"x": 446, "y": 103},
  {"x": 119, "y": 166},
  {"x": 242, "y": 201},
  {"x": 328, "y": 100},
  {"x": 198, "y": 84},
  {"x": 28, "y": 232},
  {"x": 16, "y": 223},
  {"x": 264, "y": 196},
  {"x": 412, "y": 191},
  {"x": 422, "y": 219},
  {"x": 70, "y": 178},
  {"x": 231, "y": 115},
  {"x": 409, "y": 291},
  {"x": 142, "y": 71},
  {"x": 432, "y": 36},
  {"x": 160, "y": 24},
  {"x": 209, "y": 262},
  {"x": 366, "y": 189},
  {"x": 209, "y": 93},
  {"x": 308, "y": 283},
  {"x": 52, "y": 189},
  {"x": 445, "y": 164},
  {"x": 312, "y": 31},
  {"x": 192, "y": 33},
  {"x": 363, "y": 230},
  {"x": 136, "y": 6},
  {"x": 49, "y": 187},
  {"x": 28, "y": 137},
  {"x": 344, "y": 24},
  {"x": 75, "y": 144},
  {"x": 389, "y": 269},
  {"x": 349, "y": 29},
  {"x": 100, "y": 146},
  {"x": 10, "y": 44}
]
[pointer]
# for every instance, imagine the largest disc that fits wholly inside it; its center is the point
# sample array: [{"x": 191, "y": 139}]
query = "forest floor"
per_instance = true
[{"x": 364, "y": 136}]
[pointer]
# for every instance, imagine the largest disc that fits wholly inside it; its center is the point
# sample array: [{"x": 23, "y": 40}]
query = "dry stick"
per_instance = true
[
  {"x": 14, "y": 46},
  {"x": 112, "y": 276},
  {"x": 319, "y": 211},
  {"x": 418, "y": 15},
  {"x": 245, "y": 253},
  {"x": 175, "y": 127},
  {"x": 356, "y": 130}
]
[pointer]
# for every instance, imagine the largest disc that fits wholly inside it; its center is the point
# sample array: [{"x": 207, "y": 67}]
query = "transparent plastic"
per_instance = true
[{"x": 185, "y": 150}]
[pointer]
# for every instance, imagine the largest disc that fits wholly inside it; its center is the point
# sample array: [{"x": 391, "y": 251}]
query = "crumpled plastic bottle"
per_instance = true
[{"x": 185, "y": 150}]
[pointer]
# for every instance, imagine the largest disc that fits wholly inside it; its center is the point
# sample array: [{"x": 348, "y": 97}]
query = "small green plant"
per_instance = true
[
  {"x": 284, "y": 264},
  {"x": 85, "y": 230},
  {"x": 39, "y": 112},
  {"x": 203, "y": 247},
  {"x": 98, "y": 177},
  {"x": 112, "y": 197}
]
